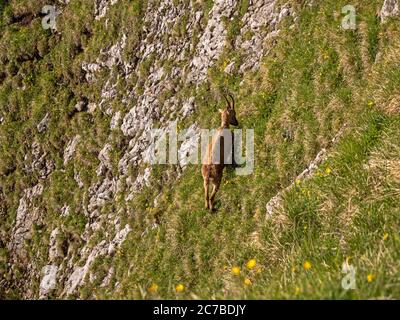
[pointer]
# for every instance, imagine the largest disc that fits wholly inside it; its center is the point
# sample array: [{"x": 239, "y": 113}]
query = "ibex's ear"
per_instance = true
[{"x": 220, "y": 111}]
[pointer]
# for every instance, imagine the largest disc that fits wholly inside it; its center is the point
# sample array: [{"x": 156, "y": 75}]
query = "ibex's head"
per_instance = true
[{"x": 228, "y": 115}]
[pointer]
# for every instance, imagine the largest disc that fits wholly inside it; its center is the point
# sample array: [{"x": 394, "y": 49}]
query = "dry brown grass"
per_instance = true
[
  {"x": 385, "y": 168},
  {"x": 393, "y": 107}
]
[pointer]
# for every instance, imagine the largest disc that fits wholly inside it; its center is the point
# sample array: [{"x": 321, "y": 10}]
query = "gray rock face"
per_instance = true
[
  {"x": 188, "y": 107},
  {"x": 53, "y": 250},
  {"x": 49, "y": 280},
  {"x": 105, "y": 161},
  {"x": 103, "y": 248},
  {"x": 107, "y": 279},
  {"x": 101, "y": 193},
  {"x": 70, "y": 149},
  {"x": 39, "y": 162},
  {"x": 42, "y": 126},
  {"x": 114, "y": 124},
  {"x": 212, "y": 42},
  {"x": 137, "y": 184},
  {"x": 90, "y": 69},
  {"x": 189, "y": 146},
  {"x": 27, "y": 215},
  {"x": 102, "y": 6},
  {"x": 390, "y": 8},
  {"x": 261, "y": 21}
]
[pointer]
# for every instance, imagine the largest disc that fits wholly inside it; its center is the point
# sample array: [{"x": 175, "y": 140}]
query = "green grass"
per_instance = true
[{"x": 316, "y": 79}]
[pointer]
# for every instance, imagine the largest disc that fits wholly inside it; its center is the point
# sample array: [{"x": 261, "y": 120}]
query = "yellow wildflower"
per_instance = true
[
  {"x": 371, "y": 277},
  {"x": 236, "y": 271},
  {"x": 328, "y": 171},
  {"x": 307, "y": 265},
  {"x": 247, "y": 282},
  {"x": 251, "y": 263},
  {"x": 153, "y": 288},
  {"x": 179, "y": 288},
  {"x": 385, "y": 236}
]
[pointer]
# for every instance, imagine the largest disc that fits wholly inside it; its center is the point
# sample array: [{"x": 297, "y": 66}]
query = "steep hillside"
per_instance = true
[{"x": 84, "y": 215}]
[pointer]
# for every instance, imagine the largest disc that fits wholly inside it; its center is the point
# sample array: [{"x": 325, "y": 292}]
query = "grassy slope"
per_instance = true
[{"x": 317, "y": 78}]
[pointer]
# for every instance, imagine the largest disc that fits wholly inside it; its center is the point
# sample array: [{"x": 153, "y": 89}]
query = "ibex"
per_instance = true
[{"x": 212, "y": 169}]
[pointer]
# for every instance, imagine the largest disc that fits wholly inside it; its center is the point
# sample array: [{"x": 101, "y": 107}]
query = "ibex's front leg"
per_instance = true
[
  {"x": 213, "y": 193},
  {"x": 206, "y": 196}
]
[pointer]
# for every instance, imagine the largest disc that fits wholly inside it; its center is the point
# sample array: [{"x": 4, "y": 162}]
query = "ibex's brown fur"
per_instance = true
[{"x": 212, "y": 172}]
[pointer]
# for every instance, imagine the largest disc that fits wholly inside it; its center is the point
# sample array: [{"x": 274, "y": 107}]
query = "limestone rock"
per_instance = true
[
  {"x": 27, "y": 215},
  {"x": 389, "y": 9},
  {"x": 70, "y": 149},
  {"x": 44, "y": 123},
  {"x": 102, "y": 6},
  {"x": 49, "y": 280},
  {"x": 53, "y": 250},
  {"x": 103, "y": 248}
]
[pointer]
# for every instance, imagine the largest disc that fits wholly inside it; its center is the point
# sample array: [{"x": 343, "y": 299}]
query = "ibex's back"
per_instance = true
[{"x": 215, "y": 159}]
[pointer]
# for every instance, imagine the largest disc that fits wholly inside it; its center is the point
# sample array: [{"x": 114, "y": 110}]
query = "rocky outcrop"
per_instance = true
[
  {"x": 261, "y": 21},
  {"x": 212, "y": 42},
  {"x": 105, "y": 161},
  {"x": 389, "y": 9},
  {"x": 43, "y": 125},
  {"x": 49, "y": 280},
  {"x": 27, "y": 215},
  {"x": 103, "y": 248},
  {"x": 38, "y": 161},
  {"x": 102, "y": 6},
  {"x": 70, "y": 149}
]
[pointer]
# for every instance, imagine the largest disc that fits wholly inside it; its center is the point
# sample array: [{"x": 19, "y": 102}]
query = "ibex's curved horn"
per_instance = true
[
  {"x": 227, "y": 101},
  {"x": 233, "y": 101}
]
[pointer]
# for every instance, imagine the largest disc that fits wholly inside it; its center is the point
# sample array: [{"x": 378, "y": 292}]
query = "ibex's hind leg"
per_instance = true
[
  {"x": 206, "y": 196},
  {"x": 213, "y": 193}
]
